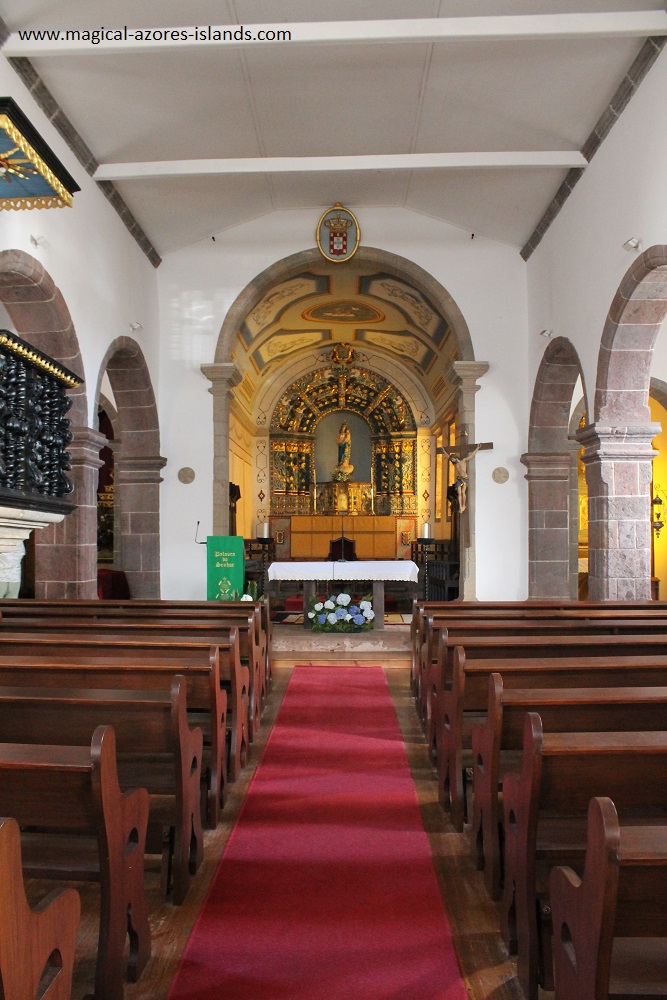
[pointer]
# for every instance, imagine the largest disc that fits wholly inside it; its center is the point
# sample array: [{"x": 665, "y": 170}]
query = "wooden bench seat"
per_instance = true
[
  {"x": 37, "y": 946},
  {"x": 497, "y": 743},
  {"x": 646, "y": 634},
  {"x": 75, "y": 660},
  {"x": 155, "y": 749},
  {"x": 88, "y": 831},
  {"x": 463, "y": 700},
  {"x": 212, "y": 611},
  {"x": 544, "y": 819},
  {"x": 622, "y": 894},
  {"x": 250, "y": 652}
]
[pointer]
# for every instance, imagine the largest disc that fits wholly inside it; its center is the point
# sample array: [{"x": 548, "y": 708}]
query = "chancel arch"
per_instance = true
[{"x": 386, "y": 332}]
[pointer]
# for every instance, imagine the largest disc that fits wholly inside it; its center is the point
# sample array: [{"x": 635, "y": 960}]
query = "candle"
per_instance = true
[
  {"x": 426, "y": 530},
  {"x": 264, "y": 530}
]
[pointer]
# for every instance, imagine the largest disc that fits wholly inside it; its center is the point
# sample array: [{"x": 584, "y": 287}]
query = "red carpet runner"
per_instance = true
[{"x": 326, "y": 890}]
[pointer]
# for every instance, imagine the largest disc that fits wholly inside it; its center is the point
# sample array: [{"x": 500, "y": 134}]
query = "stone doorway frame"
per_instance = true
[{"x": 224, "y": 375}]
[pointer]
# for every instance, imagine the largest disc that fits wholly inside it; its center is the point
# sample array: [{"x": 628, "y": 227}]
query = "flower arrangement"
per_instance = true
[{"x": 341, "y": 614}]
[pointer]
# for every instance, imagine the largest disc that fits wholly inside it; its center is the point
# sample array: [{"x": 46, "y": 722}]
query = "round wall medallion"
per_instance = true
[
  {"x": 186, "y": 475},
  {"x": 500, "y": 475}
]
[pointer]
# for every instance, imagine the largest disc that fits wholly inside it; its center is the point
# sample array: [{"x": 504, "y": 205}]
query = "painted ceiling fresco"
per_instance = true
[{"x": 375, "y": 313}]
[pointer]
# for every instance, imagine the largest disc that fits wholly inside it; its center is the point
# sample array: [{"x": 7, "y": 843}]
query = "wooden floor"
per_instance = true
[{"x": 488, "y": 972}]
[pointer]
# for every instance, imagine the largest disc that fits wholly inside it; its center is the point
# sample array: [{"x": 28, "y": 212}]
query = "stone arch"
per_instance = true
[
  {"x": 224, "y": 375},
  {"x": 551, "y": 475},
  {"x": 137, "y": 464},
  {"x": 618, "y": 453},
  {"x": 391, "y": 263},
  {"x": 65, "y": 553}
]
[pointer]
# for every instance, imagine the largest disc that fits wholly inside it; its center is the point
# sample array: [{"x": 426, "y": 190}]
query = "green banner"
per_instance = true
[{"x": 225, "y": 567}]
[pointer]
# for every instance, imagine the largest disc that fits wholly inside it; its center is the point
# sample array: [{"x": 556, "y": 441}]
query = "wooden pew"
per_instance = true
[
  {"x": 463, "y": 699},
  {"x": 544, "y": 817},
  {"x": 179, "y": 653},
  {"x": 497, "y": 742},
  {"x": 246, "y": 623},
  {"x": 522, "y": 610},
  {"x": 155, "y": 749},
  {"x": 467, "y": 633},
  {"x": 187, "y": 610},
  {"x": 37, "y": 947},
  {"x": 622, "y": 894},
  {"x": 89, "y": 831}
]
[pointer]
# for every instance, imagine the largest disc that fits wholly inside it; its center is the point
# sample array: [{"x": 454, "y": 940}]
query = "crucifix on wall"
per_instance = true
[{"x": 459, "y": 457}]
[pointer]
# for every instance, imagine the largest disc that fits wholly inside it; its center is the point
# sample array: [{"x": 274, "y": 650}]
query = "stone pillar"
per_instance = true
[
  {"x": 223, "y": 377},
  {"x": 618, "y": 464},
  {"x": 549, "y": 485},
  {"x": 464, "y": 376},
  {"x": 137, "y": 501},
  {"x": 66, "y": 553},
  {"x": 425, "y": 487}
]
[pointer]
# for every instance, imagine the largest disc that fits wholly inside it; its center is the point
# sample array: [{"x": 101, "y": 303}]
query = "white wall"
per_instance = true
[
  {"x": 576, "y": 270},
  {"x": 106, "y": 280},
  {"x": 198, "y": 285}
]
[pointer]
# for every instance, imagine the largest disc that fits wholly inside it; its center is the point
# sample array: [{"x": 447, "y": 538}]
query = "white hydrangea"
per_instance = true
[
  {"x": 329, "y": 605},
  {"x": 348, "y": 618},
  {"x": 365, "y": 605},
  {"x": 332, "y": 619},
  {"x": 369, "y": 614},
  {"x": 343, "y": 600},
  {"x": 311, "y": 614}
]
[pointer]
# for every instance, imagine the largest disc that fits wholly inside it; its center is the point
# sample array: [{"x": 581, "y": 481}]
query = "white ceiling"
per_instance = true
[{"x": 317, "y": 98}]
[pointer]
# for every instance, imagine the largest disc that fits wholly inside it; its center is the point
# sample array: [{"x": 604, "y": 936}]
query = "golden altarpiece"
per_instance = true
[{"x": 377, "y": 514}]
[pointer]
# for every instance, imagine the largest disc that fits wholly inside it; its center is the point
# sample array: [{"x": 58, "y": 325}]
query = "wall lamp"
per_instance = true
[
  {"x": 632, "y": 244},
  {"x": 547, "y": 334},
  {"x": 657, "y": 522}
]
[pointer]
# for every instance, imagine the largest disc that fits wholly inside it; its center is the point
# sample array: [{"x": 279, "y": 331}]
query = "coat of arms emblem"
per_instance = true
[{"x": 338, "y": 234}]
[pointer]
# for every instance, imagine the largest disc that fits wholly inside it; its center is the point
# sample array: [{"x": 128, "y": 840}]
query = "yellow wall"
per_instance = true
[
  {"x": 659, "y": 415},
  {"x": 240, "y": 472}
]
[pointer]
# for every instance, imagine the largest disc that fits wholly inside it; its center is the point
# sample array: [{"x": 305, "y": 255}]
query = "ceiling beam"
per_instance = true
[
  {"x": 315, "y": 164},
  {"x": 29, "y": 43}
]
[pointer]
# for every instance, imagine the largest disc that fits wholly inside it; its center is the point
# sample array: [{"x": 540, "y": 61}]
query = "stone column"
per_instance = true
[
  {"x": 464, "y": 375},
  {"x": 66, "y": 553},
  {"x": 549, "y": 483},
  {"x": 137, "y": 501},
  {"x": 618, "y": 464},
  {"x": 223, "y": 377}
]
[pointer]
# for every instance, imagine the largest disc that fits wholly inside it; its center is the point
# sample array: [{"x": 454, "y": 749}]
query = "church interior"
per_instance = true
[{"x": 335, "y": 321}]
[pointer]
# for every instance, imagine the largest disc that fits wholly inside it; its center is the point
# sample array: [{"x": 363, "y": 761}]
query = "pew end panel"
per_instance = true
[{"x": 37, "y": 945}]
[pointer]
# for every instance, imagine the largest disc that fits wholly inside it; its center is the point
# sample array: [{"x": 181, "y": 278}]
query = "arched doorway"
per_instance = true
[
  {"x": 65, "y": 553},
  {"x": 137, "y": 466},
  {"x": 551, "y": 474},
  {"x": 618, "y": 451}
]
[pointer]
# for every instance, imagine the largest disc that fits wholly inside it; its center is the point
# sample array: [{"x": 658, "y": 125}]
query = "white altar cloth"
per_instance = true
[
  {"x": 375, "y": 571},
  {"x": 352, "y": 569}
]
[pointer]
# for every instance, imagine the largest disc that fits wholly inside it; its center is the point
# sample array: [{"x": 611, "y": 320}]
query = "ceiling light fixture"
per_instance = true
[{"x": 632, "y": 244}]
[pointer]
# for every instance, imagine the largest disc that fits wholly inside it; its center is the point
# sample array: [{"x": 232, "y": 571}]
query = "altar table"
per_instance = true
[{"x": 375, "y": 571}]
